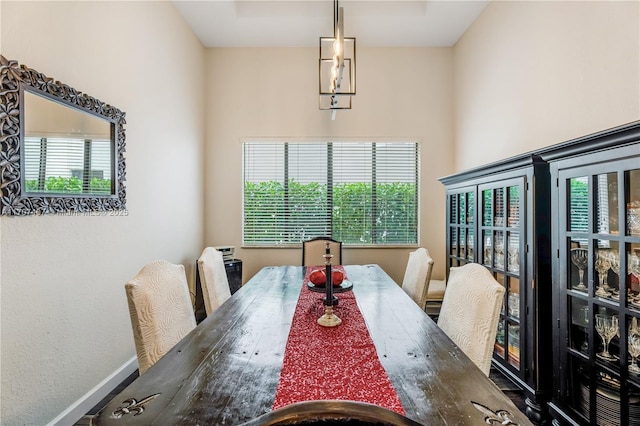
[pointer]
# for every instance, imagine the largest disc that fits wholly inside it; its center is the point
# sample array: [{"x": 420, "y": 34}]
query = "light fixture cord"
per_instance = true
[{"x": 335, "y": 17}]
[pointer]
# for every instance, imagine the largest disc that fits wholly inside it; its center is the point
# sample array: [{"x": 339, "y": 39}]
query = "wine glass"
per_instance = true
[
  {"x": 606, "y": 254},
  {"x": 585, "y": 318},
  {"x": 634, "y": 326},
  {"x": 602, "y": 265},
  {"x": 579, "y": 257},
  {"x": 607, "y": 327},
  {"x": 614, "y": 259},
  {"x": 500, "y": 256},
  {"x": 634, "y": 264},
  {"x": 634, "y": 351},
  {"x": 514, "y": 258}
]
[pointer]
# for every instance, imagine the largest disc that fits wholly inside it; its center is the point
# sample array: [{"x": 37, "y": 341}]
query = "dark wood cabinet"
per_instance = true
[
  {"x": 497, "y": 215},
  {"x": 596, "y": 270},
  {"x": 559, "y": 227}
]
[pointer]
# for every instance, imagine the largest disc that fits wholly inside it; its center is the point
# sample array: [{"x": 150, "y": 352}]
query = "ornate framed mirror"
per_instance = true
[{"x": 61, "y": 150}]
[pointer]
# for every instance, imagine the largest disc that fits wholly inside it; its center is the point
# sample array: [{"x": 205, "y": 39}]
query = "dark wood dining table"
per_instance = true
[{"x": 226, "y": 370}]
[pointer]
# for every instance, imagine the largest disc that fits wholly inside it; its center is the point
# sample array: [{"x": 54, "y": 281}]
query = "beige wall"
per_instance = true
[
  {"x": 64, "y": 318},
  {"x": 532, "y": 74},
  {"x": 403, "y": 93}
]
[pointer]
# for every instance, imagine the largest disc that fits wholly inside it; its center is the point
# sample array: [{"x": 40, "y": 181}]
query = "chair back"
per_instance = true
[
  {"x": 160, "y": 310},
  {"x": 471, "y": 310},
  {"x": 213, "y": 278},
  {"x": 314, "y": 249},
  {"x": 418, "y": 275}
]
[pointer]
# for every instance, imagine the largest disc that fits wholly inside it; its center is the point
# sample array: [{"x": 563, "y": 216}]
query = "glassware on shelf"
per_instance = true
[
  {"x": 514, "y": 305},
  {"x": 634, "y": 264},
  {"x": 633, "y": 267},
  {"x": 514, "y": 344},
  {"x": 514, "y": 259},
  {"x": 614, "y": 258},
  {"x": 585, "y": 317},
  {"x": 607, "y": 328},
  {"x": 606, "y": 254},
  {"x": 602, "y": 265},
  {"x": 499, "y": 345},
  {"x": 580, "y": 258},
  {"x": 499, "y": 250},
  {"x": 487, "y": 251},
  {"x": 633, "y": 218},
  {"x": 634, "y": 351}
]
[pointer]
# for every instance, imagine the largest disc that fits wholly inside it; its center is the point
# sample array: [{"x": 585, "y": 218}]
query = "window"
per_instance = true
[
  {"x": 67, "y": 165},
  {"x": 361, "y": 193}
]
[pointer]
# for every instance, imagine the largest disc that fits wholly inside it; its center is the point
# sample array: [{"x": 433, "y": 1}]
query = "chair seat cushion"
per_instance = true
[{"x": 436, "y": 290}]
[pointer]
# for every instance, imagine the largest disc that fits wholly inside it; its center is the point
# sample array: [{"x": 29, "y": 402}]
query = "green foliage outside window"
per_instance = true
[
  {"x": 270, "y": 217},
  {"x": 70, "y": 185},
  {"x": 579, "y": 204}
]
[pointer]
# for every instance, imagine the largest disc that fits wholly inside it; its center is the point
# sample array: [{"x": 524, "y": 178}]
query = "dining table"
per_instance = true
[{"x": 263, "y": 350}]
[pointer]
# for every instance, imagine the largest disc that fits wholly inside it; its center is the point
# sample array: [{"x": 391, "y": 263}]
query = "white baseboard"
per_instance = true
[{"x": 82, "y": 406}]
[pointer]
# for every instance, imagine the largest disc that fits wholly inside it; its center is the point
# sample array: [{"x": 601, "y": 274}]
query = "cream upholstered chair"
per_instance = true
[
  {"x": 471, "y": 310},
  {"x": 417, "y": 276},
  {"x": 160, "y": 310},
  {"x": 213, "y": 277},
  {"x": 435, "y": 295},
  {"x": 315, "y": 248}
]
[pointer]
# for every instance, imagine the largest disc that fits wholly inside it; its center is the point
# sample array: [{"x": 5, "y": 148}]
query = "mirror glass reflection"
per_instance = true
[{"x": 66, "y": 150}]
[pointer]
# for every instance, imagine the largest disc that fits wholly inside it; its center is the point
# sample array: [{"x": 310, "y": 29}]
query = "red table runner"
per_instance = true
[{"x": 332, "y": 362}]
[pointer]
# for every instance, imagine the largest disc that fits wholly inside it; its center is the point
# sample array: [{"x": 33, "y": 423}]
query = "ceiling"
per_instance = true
[{"x": 300, "y": 23}]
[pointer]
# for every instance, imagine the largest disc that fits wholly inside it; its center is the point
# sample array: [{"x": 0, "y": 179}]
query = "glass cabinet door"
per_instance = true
[
  {"x": 599, "y": 245},
  {"x": 461, "y": 226},
  {"x": 501, "y": 224}
]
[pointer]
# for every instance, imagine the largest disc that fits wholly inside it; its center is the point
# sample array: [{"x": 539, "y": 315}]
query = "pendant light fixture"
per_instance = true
[{"x": 337, "y": 66}]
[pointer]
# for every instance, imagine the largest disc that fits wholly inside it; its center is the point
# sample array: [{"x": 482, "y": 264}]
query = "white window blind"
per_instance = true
[
  {"x": 361, "y": 193},
  {"x": 579, "y": 204},
  {"x": 67, "y": 165}
]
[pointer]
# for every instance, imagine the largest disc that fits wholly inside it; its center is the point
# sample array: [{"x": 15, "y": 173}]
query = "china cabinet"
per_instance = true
[
  {"x": 595, "y": 204},
  {"x": 497, "y": 215}
]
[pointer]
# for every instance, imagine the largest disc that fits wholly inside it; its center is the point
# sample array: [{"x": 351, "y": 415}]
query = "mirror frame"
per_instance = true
[{"x": 14, "y": 78}]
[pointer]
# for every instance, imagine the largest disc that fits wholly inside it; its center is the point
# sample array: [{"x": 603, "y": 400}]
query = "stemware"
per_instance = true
[
  {"x": 602, "y": 265},
  {"x": 499, "y": 256},
  {"x": 487, "y": 251},
  {"x": 514, "y": 258},
  {"x": 634, "y": 351},
  {"x": 579, "y": 257},
  {"x": 606, "y": 254},
  {"x": 634, "y": 264},
  {"x": 607, "y": 327},
  {"x": 634, "y": 326},
  {"x": 585, "y": 318},
  {"x": 614, "y": 259}
]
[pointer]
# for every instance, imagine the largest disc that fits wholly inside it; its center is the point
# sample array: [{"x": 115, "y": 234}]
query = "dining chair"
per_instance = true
[
  {"x": 160, "y": 310},
  {"x": 213, "y": 278},
  {"x": 435, "y": 294},
  {"x": 471, "y": 310},
  {"x": 314, "y": 249},
  {"x": 417, "y": 276}
]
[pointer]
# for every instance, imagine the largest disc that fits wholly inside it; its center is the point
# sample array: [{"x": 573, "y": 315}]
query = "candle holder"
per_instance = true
[{"x": 329, "y": 319}]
